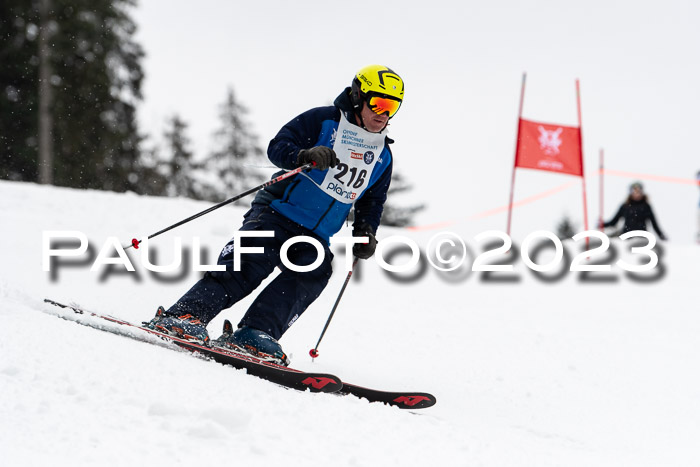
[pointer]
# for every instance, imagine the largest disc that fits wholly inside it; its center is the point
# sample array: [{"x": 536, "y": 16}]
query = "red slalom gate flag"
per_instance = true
[{"x": 543, "y": 146}]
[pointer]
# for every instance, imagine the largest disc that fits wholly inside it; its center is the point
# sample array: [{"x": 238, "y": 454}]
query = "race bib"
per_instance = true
[{"x": 358, "y": 151}]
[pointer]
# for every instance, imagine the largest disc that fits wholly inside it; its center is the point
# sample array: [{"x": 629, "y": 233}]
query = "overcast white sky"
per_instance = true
[{"x": 462, "y": 62}]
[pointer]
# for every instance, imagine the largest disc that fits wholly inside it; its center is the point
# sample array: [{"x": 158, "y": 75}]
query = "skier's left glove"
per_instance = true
[
  {"x": 364, "y": 250},
  {"x": 323, "y": 157}
]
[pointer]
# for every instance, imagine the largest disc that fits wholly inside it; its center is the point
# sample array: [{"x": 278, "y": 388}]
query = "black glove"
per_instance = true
[
  {"x": 364, "y": 250},
  {"x": 323, "y": 156}
]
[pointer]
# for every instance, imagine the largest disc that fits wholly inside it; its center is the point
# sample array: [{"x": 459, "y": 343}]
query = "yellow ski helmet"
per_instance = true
[{"x": 376, "y": 81}]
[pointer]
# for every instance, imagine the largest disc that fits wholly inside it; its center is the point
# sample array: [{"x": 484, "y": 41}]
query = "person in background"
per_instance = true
[{"x": 636, "y": 211}]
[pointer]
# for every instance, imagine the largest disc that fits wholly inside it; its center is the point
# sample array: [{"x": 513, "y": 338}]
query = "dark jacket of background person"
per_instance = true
[{"x": 636, "y": 213}]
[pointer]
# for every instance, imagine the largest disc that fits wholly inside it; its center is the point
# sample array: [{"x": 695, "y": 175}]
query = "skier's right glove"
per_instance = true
[
  {"x": 323, "y": 156},
  {"x": 364, "y": 250}
]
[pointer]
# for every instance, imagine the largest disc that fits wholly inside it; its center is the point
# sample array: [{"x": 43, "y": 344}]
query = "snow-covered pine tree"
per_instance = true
[
  {"x": 566, "y": 229},
  {"x": 236, "y": 159},
  {"x": 180, "y": 167}
]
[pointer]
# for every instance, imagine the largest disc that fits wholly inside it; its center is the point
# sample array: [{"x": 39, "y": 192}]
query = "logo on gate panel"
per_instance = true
[{"x": 549, "y": 140}]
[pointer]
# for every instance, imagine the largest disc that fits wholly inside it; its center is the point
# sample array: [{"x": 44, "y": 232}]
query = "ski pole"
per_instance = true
[
  {"x": 135, "y": 243},
  {"x": 314, "y": 352}
]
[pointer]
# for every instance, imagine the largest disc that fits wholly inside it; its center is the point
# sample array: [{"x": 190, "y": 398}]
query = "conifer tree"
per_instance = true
[
  {"x": 181, "y": 169},
  {"x": 237, "y": 156},
  {"x": 76, "y": 58},
  {"x": 566, "y": 228},
  {"x": 395, "y": 215}
]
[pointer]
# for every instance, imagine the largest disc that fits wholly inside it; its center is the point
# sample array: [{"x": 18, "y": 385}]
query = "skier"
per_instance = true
[
  {"x": 635, "y": 211},
  {"x": 349, "y": 146}
]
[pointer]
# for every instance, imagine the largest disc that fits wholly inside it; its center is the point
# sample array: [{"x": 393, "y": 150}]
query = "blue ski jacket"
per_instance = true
[{"x": 299, "y": 198}]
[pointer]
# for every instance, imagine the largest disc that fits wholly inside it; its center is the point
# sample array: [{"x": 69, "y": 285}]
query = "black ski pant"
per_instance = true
[{"x": 284, "y": 299}]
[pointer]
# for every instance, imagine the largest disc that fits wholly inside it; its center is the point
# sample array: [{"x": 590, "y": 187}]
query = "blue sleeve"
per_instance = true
[
  {"x": 369, "y": 208},
  {"x": 300, "y": 133}
]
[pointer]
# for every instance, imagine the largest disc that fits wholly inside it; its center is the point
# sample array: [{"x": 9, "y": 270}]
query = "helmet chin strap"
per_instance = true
[{"x": 361, "y": 121}]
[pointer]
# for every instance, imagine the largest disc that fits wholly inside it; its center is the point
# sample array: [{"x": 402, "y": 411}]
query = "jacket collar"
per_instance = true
[{"x": 343, "y": 101}]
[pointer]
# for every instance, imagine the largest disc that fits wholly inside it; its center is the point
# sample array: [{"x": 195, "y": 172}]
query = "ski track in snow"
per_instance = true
[{"x": 526, "y": 374}]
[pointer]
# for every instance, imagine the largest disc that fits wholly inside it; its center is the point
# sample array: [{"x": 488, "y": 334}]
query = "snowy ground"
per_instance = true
[{"x": 526, "y": 372}]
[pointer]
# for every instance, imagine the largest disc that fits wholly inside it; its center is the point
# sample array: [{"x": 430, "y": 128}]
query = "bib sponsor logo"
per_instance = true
[
  {"x": 369, "y": 157},
  {"x": 341, "y": 192},
  {"x": 356, "y": 155}
]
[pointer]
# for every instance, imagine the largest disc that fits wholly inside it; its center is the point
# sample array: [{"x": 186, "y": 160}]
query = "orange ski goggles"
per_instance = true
[{"x": 381, "y": 105}]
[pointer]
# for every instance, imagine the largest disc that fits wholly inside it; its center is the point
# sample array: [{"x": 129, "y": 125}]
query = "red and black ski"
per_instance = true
[
  {"x": 284, "y": 376},
  {"x": 403, "y": 400}
]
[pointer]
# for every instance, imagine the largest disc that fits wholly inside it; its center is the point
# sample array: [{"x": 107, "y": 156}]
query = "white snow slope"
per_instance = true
[{"x": 527, "y": 373}]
